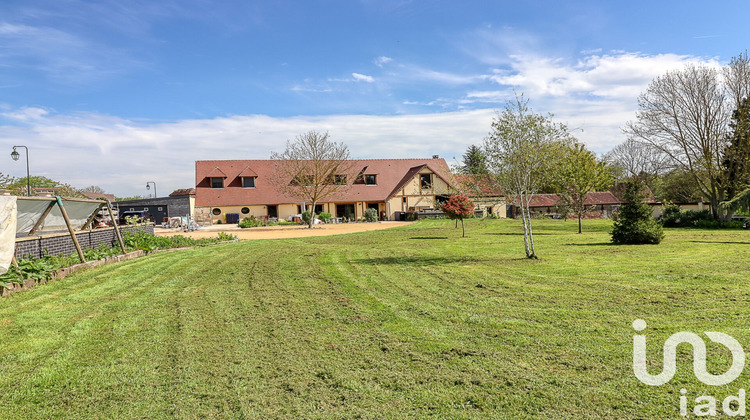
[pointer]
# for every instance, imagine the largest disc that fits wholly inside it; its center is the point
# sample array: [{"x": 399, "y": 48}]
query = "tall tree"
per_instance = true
[
  {"x": 737, "y": 79},
  {"x": 683, "y": 114},
  {"x": 313, "y": 168},
  {"x": 639, "y": 160},
  {"x": 523, "y": 149},
  {"x": 737, "y": 153},
  {"x": 474, "y": 161},
  {"x": 580, "y": 174}
]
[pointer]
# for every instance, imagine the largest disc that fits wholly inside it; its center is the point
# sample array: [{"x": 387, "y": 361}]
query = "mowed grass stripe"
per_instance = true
[{"x": 413, "y": 322}]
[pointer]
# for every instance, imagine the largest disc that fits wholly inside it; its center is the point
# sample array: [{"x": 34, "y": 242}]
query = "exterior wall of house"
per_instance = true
[
  {"x": 437, "y": 187},
  {"x": 658, "y": 208},
  {"x": 492, "y": 206}
]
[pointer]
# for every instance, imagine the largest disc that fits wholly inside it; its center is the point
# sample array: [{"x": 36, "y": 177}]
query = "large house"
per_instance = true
[{"x": 230, "y": 190}]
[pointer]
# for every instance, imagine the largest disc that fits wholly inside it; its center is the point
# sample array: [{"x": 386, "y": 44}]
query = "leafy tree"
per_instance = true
[
  {"x": 635, "y": 224},
  {"x": 135, "y": 197},
  {"x": 474, "y": 161},
  {"x": 737, "y": 153},
  {"x": 579, "y": 175},
  {"x": 677, "y": 186},
  {"x": 6, "y": 181},
  {"x": 459, "y": 207},
  {"x": 741, "y": 202},
  {"x": 523, "y": 151},
  {"x": 19, "y": 186},
  {"x": 313, "y": 168}
]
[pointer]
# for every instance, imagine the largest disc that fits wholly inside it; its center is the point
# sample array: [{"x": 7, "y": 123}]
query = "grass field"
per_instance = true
[{"x": 403, "y": 323}]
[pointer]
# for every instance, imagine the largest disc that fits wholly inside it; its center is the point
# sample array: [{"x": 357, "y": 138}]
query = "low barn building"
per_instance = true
[
  {"x": 180, "y": 203},
  {"x": 602, "y": 204},
  {"x": 231, "y": 190}
]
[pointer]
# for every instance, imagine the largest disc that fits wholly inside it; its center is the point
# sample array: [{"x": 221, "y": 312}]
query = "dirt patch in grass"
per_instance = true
[{"x": 282, "y": 232}]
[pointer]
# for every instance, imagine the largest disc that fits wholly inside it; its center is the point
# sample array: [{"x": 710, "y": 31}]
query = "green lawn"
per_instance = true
[{"x": 402, "y": 323}]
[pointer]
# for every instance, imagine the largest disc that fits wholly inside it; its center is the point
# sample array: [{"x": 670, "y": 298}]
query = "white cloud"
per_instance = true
[
  {"x": 362, "y": 78},
  {"x": 121, "y": 155},
  {"x": 382, "y": 60}
]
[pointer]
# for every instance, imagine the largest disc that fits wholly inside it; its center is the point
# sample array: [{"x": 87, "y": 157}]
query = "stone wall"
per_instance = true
[{"x": 61, "y": 243}]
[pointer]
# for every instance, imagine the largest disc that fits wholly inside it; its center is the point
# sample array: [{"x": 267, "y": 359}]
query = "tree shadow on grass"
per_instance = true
[
  {"x": 516, "y": 234},
  {"x": 721, "y": 242},
  {"x": 593, "y": 244},
  {"x": 429, "y": 237},
  {"x": 426, "y": 260}
]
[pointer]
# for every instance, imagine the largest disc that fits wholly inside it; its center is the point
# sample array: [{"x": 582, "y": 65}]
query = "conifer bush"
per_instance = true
[{"x": 635, "y": 224}]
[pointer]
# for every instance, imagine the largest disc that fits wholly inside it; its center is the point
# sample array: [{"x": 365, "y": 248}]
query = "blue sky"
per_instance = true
[{"x": 120, "y": 93}]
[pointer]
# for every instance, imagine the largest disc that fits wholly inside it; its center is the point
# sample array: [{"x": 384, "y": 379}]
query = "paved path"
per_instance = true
[{"x": 280, "y": 232}]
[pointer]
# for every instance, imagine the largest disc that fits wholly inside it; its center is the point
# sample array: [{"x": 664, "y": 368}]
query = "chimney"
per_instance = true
[{"x": 436, "y": 156}]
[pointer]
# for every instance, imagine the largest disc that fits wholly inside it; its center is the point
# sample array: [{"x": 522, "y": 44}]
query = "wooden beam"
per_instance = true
[
  {"x": 117, "y": 229},
  {"x": 13, "y": 260},
  {"x": 91, "y": 219},
  {"x": 70, "y": 229},
  {"x": 41, "y": 219}
]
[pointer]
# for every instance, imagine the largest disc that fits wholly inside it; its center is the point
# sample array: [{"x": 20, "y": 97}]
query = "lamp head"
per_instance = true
[
  {"x": 14, "y": 154},
  {"x": 148, "y": 187}
]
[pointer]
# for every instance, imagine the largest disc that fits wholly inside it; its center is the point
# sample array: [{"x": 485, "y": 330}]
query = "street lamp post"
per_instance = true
[
  {"x": 15, "y": 155},
  {"x": 148, "y": 187}
]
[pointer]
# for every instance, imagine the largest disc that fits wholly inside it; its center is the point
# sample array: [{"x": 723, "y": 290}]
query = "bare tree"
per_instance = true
[
  {"x": 638, "y": 160},
  {"x": 313, "y": 168},
  {"x": 683, "y": 114},
  {"x": 523, "y": 149},
  {"x": 737, "y": 79},
  {"x": 93, "y": 189}
]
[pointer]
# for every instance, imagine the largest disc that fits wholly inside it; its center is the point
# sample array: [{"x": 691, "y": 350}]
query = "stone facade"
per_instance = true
[{"x": 61, "y": 243}]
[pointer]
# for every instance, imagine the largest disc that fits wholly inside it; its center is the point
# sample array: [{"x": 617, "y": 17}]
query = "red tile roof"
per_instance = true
[
  {"x": 216, "y": 173},
  {"x": 99, "y": 196},
  {"x": 182, "y": 191},
  {"x": 392, "y": 174},
  {"x": 479, "y": 185}
]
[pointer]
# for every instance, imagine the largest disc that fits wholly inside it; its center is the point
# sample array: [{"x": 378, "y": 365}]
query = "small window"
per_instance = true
[
  {"x": 132, "y": 209},
  {"x": 339, "y": 179},
  {"x": 371, "y": 180},
  {"x": 245, "y": 210},
  {"x": 425, "y": 180},
  {"x": 248, "y": 182},
  {"x": 403, "y": 200},
  {"x": 216, "y": 211},
  {"x": 217, "y": 182},
  {"x": 145, "y": 209},
  {"x": 159, "y": 208}
]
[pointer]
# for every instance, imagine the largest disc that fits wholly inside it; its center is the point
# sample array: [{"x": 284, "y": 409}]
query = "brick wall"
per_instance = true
[{"x": 61, "y": 243}]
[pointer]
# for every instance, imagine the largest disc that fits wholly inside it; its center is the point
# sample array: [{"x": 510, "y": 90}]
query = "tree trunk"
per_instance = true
[
  {"x": 463, "y": 230},
  {"x": 457, "y": 223},
  {"x": 532, "y": 253},
  {"x": 579, "y": 223},
  {"x": 312, "y": 216}
]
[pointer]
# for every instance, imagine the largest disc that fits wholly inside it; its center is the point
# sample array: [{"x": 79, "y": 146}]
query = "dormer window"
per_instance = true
[
  {"x": 248, "y": 182},
  {"x": 371, "y": 180},
  {"x": 217, "y": 182},
  {"x": 339, "y": 179}
]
